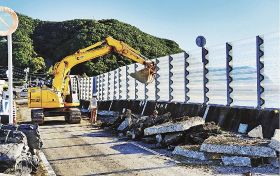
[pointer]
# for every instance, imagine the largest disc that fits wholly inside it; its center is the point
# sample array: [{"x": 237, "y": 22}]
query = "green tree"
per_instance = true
[
  {"x": 50, "y": 70},
  {"x": 38, "y": 65},
  {"x": 56, "y": 40}
]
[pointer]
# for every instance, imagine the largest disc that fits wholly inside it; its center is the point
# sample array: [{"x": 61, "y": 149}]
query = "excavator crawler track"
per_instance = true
[
  {"x": 37, "y": 116},
  {"x": 73, "y": 116}
]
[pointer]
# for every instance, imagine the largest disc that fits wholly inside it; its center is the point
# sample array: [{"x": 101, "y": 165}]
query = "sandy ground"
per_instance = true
[{"x": 81, "y": 149}]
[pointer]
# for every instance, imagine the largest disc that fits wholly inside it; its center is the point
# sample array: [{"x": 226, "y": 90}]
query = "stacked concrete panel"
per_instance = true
[{"x": 86, "y": 88}]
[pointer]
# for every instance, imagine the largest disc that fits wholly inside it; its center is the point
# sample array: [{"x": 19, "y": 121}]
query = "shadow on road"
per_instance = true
[
  {"x": 128, "y": 148},
  {"x": 131, "y": 170},
  {"x": 89, "y": 145},
  {"x": 95, "y": 134},
  {"x": 55, "y": 122},
  {"x": 82, "y": 157}
]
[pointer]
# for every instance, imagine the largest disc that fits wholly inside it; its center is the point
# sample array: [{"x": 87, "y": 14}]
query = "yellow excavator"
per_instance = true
[{"x": 59, "y": 99}]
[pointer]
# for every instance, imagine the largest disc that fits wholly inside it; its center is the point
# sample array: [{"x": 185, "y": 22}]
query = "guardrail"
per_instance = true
[{"x": 241, "y": 73}]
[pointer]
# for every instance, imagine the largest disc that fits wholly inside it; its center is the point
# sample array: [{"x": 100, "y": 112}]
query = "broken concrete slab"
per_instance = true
[
  {"x": 236, "y": 161},
  {"x": 11, "y": 136},
  {"x": 196, "y": 135},
  {"x": 159, "y": 138},
  {"x": 30, "y": 131},
  {"x": 15, "y": 154},
  {"x": 173, "y": 127},
  {"x": 107, "y": 118},
  {"x": 108, "y": 113},
  {"x": 149, "y": 139},
  {"x": 172, "y": 138},
  {"x": 12, "y": 150},
  {"x": 237, "y": 145},
  {"x": 123, "y": 125},
  {"x": 275, "y": 140},
  {"x": 256, "y": 132},
  {"x": 190, "y": 151}
]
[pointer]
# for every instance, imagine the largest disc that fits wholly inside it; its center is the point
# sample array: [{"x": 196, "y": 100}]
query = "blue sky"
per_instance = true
[{"x": 180, "y": 20}]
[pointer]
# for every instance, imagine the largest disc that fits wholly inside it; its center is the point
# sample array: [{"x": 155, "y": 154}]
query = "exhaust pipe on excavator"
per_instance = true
[{"x": 145, "y": 75}]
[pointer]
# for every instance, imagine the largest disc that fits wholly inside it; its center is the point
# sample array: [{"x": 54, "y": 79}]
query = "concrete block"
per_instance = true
[
  {"x": 174, "y": 127},
  {"x": 123, "y": 125},
  {"x": 173, "y": 139},
  {"x": 236, "y": 161},
  {"x": 159, "y": 138},
  {"x": 107, "y": 113},
  {"x": 11, "y": 150},
  {"x": 256, "y": 132},
  {"x": 236, "y": 145},
  {"x": 190, "y": 151},
  {"x": 275, "y": 140},
  {"x": 242, "y": 128}
]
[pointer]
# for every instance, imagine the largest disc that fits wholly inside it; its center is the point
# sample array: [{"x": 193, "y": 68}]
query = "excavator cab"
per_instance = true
[{"x": 71, "y": 91}]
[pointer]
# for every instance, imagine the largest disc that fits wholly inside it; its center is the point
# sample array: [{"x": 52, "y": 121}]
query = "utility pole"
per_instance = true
[
  {"x": 26, "y": 77},
  {"x": 9, "y": 22},
  {"x": 10, "y": 78}
]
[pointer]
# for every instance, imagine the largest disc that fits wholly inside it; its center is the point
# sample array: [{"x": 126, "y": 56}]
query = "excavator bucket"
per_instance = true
[{"x": 144, "y": 76}]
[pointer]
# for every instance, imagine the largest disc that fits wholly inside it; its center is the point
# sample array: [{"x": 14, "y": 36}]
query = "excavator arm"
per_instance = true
[{"x": 62, "y": 69}]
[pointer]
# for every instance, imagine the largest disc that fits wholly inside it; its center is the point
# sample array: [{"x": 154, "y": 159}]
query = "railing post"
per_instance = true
[
  {"x": 114, "y": 84},
  {"x": 120, "y": 90},
  {"x": 205, "y": 71},
  {"x": 94, "y": 85},
  {"x": 260, "y": 71},
  {"x": 109, "y": 86},
  {"x": 127, "y": 85},
  {"x": 157, "y": 82},
  {"x": 97, "y": 87},
  {"x": 103, "y": 80},
  {"x": 228, "y": 73},
  {"x": 136, "y": 84},
  {"x": 100, "y": 87},
  {"x": 170, "y": 67},
  {"x": 186, "y": 80},
  {"x": 201, "y": 42}
]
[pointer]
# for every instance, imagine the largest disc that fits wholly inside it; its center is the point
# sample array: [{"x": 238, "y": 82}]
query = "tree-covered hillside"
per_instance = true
[{"x": 40, "y": 44}]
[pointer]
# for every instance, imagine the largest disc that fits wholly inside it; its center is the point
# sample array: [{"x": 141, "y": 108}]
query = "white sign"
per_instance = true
[{"x": 8, "y": 21}]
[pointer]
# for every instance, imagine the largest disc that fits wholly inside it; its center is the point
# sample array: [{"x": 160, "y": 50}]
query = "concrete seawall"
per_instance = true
[{"x": 228, "y": 118}]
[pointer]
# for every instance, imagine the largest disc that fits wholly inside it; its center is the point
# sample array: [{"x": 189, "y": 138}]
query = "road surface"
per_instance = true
[{"x": 82, "y": 150}]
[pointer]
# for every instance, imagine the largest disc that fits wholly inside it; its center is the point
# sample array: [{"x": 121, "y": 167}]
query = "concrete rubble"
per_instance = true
[
  {"x": 236, "y": 161},
  {"x": 17, "y": 144},
  {"x": 237, "y": 145},
  {"x": 275, "y": 141},
  {"x": 230, "y": 150},
  {"x": 30, "y": 131},
  {"x": 199, "y": 133},
  {"x": 190, "y": 151},
  {"x": 174, "y": 127},
  {"x": 108, "y": 118},
  {"x": 198, "y": 141},
  {"x": 256, "y": 132}
]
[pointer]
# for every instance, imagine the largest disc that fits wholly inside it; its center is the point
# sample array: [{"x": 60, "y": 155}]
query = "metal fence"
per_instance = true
[{"x": 240, "y": 73}]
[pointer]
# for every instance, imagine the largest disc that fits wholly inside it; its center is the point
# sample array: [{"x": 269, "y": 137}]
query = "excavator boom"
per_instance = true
[
  {"x": 60, "y": 100},
  {"x": 56, "y": 97},
  {"x": 62, "y": 69}
]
